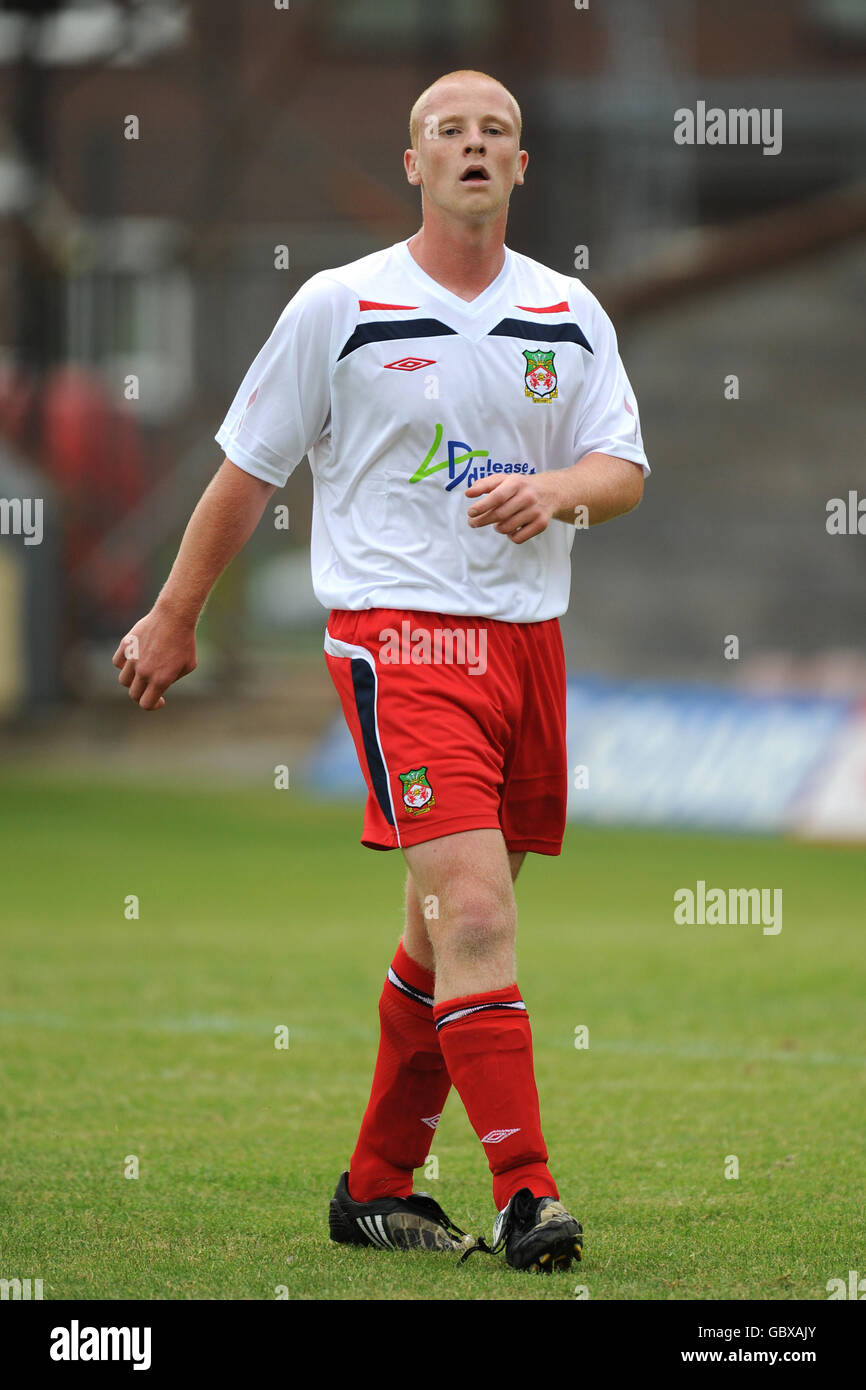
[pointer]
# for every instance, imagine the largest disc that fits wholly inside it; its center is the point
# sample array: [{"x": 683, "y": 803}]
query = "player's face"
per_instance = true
[{"x": 468, "y": 157}]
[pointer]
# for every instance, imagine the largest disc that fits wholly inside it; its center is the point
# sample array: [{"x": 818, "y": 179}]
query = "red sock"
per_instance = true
[
  {"x": 410, "y": 1086},
  {"x": 487, "y": 1044}
]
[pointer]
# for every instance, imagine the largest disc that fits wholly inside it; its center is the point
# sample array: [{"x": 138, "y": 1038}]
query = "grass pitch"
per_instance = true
[{"x": 152, "y": 1039}]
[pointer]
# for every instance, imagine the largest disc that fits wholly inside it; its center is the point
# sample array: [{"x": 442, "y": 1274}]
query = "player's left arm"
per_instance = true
[{"x": 597, "y": 488}]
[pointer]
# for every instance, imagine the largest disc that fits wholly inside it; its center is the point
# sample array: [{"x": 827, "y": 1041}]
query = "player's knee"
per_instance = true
[{"x": 479, "y": 929}]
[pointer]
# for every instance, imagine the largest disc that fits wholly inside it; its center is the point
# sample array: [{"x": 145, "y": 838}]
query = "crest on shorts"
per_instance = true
[
  {"x": 417, "y": 793},
  {"x": 540, "y": 375}
]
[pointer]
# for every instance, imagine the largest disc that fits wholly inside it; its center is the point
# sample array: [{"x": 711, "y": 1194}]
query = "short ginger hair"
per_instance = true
[{"x": 415, "y": 114}]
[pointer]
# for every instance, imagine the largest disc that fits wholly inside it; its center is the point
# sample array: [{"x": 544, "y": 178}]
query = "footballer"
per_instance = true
[{"x": 463, "y": 407}]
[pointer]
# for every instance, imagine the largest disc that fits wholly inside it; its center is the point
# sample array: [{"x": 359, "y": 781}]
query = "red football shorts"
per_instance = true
[{"x": 458, "y": 723}]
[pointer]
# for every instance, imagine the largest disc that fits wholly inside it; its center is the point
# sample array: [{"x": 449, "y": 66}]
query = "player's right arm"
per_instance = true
[
  {"x": 280, "y": 410},
  {"x": 160, "y": 649}
]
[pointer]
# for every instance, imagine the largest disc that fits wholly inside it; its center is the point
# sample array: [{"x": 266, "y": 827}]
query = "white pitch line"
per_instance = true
[
  {"x": 709, "y": 1052},
  {"x": 216, "y": 1023},
  {"x": 189, "y": 1023}
]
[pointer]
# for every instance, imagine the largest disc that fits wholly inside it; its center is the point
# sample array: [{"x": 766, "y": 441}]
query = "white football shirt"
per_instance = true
[{"x": 403, "y": 395}]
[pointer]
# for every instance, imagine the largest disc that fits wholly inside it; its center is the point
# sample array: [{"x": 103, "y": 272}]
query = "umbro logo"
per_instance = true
[
  {"x": 411, "y": 364},
  {"x": 431, "y": 1120},
  {"x": 496, "y": 1136}
]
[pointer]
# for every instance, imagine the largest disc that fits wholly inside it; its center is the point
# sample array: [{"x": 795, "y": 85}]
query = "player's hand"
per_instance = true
[
  {"x": 158, "y": 651},
  {"x": 516, "y": 506}
]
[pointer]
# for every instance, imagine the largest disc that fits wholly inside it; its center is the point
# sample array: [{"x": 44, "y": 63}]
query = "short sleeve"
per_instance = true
[
  {"x": 283, "y": 405},
  {"x": 608, "y": 422}
]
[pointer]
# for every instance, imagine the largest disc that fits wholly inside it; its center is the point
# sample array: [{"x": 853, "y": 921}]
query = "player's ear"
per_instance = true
[
  {"x": 410, "y": 164},
  {"x": 522, "y": 161}
]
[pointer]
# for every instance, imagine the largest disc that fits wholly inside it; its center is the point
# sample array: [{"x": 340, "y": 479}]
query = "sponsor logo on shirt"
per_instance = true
[{"x": 460, "y": 465}]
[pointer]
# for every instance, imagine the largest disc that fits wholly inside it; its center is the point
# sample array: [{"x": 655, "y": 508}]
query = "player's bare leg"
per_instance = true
[
  {"x": 472, "y": 922},
  {"x": 416, "y": 937},
  {"x": 485, "y": 1038}
]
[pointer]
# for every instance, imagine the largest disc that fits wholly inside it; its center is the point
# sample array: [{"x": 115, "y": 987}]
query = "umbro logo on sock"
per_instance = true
[
  {"x": 431, "y": 1120},
  {"x": 496, "y": 1136}
]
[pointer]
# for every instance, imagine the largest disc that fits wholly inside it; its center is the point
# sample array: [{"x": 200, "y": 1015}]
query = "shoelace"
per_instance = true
[
  {"x": 432, "y": 1208},
  {"x": 481, "y": 1244}
]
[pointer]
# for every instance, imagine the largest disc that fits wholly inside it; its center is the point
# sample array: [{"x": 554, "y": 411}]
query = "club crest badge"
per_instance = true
[
  {"x": 540, "y": 376},
  {"x": 417, "y": 793}
]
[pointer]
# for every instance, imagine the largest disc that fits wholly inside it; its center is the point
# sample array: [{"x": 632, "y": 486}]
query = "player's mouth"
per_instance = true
[{"x": 476, "y": 173}]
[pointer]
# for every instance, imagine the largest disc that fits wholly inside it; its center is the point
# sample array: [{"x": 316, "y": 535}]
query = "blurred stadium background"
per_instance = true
[{"x": 154, "y": 259}]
